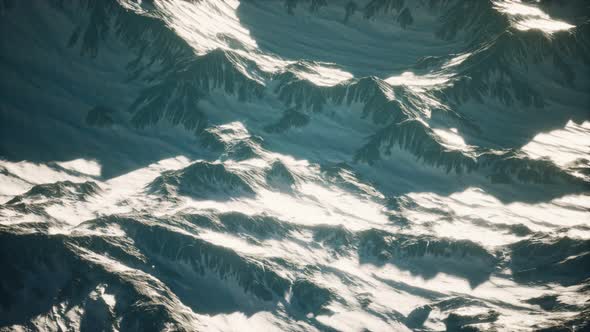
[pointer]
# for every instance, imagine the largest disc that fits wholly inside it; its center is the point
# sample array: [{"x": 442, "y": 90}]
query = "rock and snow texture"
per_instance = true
[{"x": 294, "y": 165}]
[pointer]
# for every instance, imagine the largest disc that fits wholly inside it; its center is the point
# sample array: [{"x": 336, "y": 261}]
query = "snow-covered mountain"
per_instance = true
[{"x": 294, "y": 165}]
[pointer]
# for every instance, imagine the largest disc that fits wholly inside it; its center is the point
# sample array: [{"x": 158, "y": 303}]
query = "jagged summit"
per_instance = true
[
  {"x": 201, "y": 180},
  {"x": 56, "y": 191}
]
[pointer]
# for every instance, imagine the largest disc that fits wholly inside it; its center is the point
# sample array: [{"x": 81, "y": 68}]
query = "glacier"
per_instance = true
[{"x": 294, "y": 165}]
